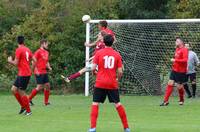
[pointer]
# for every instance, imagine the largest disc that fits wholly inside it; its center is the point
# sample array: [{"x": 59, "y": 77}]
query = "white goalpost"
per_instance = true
[{"x": 146, "y": 47}]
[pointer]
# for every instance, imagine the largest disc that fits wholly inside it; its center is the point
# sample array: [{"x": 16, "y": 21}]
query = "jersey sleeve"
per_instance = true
[
  {"x": 17, "y": 54},
  {"x": 185, "y": 56}
]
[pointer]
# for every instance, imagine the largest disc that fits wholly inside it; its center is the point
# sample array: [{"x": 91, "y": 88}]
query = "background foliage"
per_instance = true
[{"x": 59, "y": 21}]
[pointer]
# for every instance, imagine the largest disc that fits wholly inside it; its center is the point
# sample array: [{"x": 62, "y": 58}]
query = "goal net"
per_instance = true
[{"x": 146, "y": 47}]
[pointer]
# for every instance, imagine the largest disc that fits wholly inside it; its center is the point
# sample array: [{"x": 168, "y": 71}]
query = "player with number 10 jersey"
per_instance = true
[{"x": 109, "y": 64}]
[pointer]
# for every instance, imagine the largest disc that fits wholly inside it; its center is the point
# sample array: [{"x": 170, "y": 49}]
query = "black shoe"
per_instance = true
[
  {"x": 193, "y": 96},
  {"x": 22, "y": 111},
  {"x": 164, "y": 104},
  {"x": 190, "y": 96},
  {"x": 47, "y": 104},
  {"x": 31, "y": 103}
]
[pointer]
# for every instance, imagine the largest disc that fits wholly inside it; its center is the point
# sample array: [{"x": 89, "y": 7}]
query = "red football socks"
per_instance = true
[
  {"x": 26, "y": 103},
  {"x": 168, "y": 92},
  {"x": 46, "y": 96},
  {"x": 33, "y": 94},
  {"x": 18, "y": 98},
  {"x": 122, "y": 115},
  {"x": 94, "y": 115},
  {"x": 74, "y": 76},
  {"x": 181, "y": 94}
]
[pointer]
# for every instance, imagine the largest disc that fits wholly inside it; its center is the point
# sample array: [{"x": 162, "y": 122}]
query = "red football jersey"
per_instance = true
[
  {"x": 108, "y": 61},
  {"x": 181, "y": 58},
  {"x": 108, "y": 31},
  {"x": 42, "y": 57},
  {"x": 24, "y": 55},
  {"x": 99, "y": 45}
]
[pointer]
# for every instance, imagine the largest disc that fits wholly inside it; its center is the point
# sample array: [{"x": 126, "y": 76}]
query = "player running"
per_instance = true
[
  {"x": 99, "y": 45},
  {"x": 178, "y": 73},
  {"x": 40, "y": 66},
  {"x": 22, "y": 60},
  {"x": 193, "y": 61},
  {"x": 109, "y": 62}
]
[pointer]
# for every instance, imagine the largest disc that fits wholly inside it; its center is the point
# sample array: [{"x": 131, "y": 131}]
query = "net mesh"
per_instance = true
[{"x": 146, "y": 49}]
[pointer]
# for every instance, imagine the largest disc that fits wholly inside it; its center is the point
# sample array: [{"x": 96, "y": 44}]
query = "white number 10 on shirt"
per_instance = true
[{"x": 109, "y": 62}]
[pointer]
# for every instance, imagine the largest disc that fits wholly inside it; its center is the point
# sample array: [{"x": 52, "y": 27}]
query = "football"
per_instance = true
[{"x": 86, "y": 18}]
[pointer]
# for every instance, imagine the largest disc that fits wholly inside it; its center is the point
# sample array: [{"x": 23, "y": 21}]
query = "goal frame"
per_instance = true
[{"x": 87, "y": 49}]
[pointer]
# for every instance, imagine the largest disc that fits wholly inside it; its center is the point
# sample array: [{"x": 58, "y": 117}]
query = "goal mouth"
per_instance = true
[{"x": 146, "y": 47}]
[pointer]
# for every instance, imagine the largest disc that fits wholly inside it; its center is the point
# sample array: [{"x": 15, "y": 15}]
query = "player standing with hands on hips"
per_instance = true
[{"x": 109, "y": 63}]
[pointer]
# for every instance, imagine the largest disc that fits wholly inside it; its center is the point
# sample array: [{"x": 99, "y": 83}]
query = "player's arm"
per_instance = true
[
  {"x": 34, "y": 60},
  {"x": 94, "y": 43},
  {"x": 16, "y": 60},
  {"x": 185, "y": 57},
  {"x": 49, "y": 66},
  {"x": 13, "y": 62},
  {"x": 120, "y": 68},
  {"x": 119, "y": 73},
  {"x": 90, "y": 59},
  {"x": 90, "y": 44},
  {"x": 197, "y": 60},
  {"x": 115, "y": 40}
]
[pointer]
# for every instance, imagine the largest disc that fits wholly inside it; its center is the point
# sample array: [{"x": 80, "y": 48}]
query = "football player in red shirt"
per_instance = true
[
  {"x": 40, "y": 66},
  {"x": 178, "y": 73},
  {"x": 99, "y": 45},
  {"x": 23, "y": 56},
  {"x": 109, "y": 64},
  {"x": 103, "y": 26}
]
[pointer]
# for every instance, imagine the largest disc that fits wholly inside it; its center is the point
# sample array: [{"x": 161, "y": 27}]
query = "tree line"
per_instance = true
[{"x": 59, "y": 21}]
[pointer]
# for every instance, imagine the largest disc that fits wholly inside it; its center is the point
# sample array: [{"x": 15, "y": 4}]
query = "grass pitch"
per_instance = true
[{"x": 71, "y": 114}]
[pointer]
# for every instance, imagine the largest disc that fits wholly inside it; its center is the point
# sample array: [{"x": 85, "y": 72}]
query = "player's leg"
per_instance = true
[
  {"x": 93, "y": 116},
  {"x": 46, "y": 93},
  {"x": 35, "y": 91},
  {"x": 18, "y": 98},
  {"x": 45, "y": 81},
  {"x": 113, "y": 96},
  {"x": 23, "y": 83},
  {"x": 39, "y": 81},
  {"x": 187, "y": 88},
  {"x": 25, "y": 101},
  {"x": 99, "y": 96},
  {"x": 194, "y": 86},
  {"x": 181, "y": 80},
  {"x": 169, "y": 89},
  {"x": 181, "y": 93},
  {"x": 79, "y": 73}
]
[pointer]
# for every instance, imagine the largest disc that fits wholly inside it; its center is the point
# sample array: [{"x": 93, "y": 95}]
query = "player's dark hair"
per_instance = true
[
  {"x": 43, "y": 41},
  {"x": 108, "y": 40},
  {"x": 20, "y": 39},
  {"x": 103, "y": 24}
]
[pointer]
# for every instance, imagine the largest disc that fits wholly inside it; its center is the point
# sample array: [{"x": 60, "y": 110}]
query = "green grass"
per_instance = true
[{"x": 71, "y": 114}]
